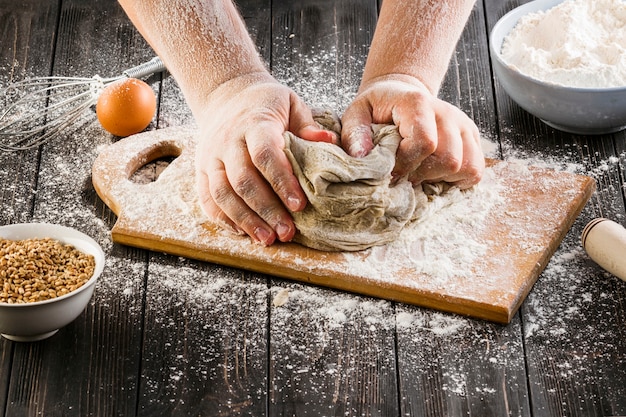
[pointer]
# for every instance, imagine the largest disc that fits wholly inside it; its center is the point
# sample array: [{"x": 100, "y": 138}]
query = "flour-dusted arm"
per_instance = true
[
  {"x": 244, "y": 179},
  {"x": 408, "y": 60}
]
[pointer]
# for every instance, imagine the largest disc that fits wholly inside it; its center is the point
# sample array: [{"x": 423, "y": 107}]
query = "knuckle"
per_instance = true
[
  {"x": 427, "y": 144},
  {"x": 270, "y": 214},
  {"x": 452, "y": 164},
  {"x": 209, "y": 206},
  {"x": 474, "y": 174},
  {"x": 262, "y": 156},
  {"x": 417, "y": 99},
  {"x": 244, "y": 187},
  {"x": 247, "y": 221},
  {"x": 221, "y": 195}
]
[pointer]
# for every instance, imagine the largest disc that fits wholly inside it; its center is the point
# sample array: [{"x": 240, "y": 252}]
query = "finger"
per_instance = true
[
  {"x": 420, "y": 139},
  {"x": 473, "y": 166},
  {"x": 302, "y": 124},
  {"x": 447, "y": 159},
  {"x": 315, "y": 134},
  {"x": 209, "y": 207},
  {"x": 469, "y": 173},
  {"x": 220, "y": 200},
  {"x": 268, "y": 185},
  {"x": 266, "y": 149},
  {"x": 224, "y": 192},
  {"x": 356, "y": 134}
]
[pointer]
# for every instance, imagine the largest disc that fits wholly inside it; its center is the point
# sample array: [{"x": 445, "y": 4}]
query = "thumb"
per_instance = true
[{"x": 356, "y": 134}]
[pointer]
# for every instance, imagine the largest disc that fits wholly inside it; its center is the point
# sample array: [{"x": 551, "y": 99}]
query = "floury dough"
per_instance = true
[{"x": 352, "y": 204}]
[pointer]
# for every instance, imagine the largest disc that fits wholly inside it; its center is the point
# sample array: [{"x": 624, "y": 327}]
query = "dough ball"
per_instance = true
[{"x": 352, "y": 204}]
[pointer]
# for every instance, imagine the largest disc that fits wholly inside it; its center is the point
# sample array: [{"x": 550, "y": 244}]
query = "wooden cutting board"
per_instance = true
[{"x": 532, "y": 210}]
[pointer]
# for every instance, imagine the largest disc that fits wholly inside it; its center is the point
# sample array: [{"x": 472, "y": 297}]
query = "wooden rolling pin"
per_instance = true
[{"x": 605, "y": 242}]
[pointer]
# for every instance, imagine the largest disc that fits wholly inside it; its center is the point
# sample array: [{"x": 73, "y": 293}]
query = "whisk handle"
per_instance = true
[{"x": 147, "y": 68}]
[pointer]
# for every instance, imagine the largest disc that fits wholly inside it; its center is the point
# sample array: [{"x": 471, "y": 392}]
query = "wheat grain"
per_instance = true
[{"x": 40, "y": 269}]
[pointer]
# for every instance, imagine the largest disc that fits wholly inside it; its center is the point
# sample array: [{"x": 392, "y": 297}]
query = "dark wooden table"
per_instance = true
[{"x": 165, "y": 336}]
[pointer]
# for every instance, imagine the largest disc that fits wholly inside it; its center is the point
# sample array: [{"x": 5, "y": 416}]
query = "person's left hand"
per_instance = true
[{"x": 439, "y": 142}]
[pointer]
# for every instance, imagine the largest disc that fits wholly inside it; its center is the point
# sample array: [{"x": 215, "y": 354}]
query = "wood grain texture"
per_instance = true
[
  {"x": 572, "y": 323},
  {"x": 93, "y": 369},
  {"x": 322, "y": 362},
  {"x": 205, "y": 327},
  {"x": 28, "y": 38},
  {"x": 205, "y": 349},
  {"x": 454, "y": 366},
  {"x": 170, "y": 336},
  {"x": 28, "y": 32}
]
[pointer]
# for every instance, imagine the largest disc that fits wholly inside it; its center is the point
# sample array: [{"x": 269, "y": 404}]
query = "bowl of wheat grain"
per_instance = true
[{"x": 47, "y": 277}]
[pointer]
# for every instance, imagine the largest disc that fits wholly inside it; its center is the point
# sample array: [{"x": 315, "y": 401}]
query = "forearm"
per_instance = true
[
  {"x": 202, "y": 43},
  {"x": 416, "y": 38}
]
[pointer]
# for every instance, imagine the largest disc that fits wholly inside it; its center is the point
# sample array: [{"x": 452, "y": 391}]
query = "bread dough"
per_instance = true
[{"x": 352, "y": 204}]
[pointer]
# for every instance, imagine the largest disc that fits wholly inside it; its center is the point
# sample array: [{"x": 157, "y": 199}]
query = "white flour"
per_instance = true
[
  {"x": 578, "y": 43},
  {"x": 448, "y": 251}
]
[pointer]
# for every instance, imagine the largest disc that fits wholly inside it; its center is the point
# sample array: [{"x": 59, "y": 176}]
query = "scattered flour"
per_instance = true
[
  {"x": 440, "y": 244},
  {"x": 578, "y": 43},
  {"x": 433, "y": 345}
]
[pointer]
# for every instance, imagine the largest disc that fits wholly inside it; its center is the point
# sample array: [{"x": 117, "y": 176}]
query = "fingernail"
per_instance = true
[
  {"x": 282, "y": 230},
  {"x": 293, "y": 203},
  {"x": 357, "y": 138},
  {"x": 357, "y": 150},
  {"x": 332, "y": 137},
  {"x": 263, "y": 236}
]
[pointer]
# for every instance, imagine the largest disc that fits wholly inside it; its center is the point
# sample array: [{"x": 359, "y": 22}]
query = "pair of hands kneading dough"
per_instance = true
[{"x": 353, "y": 204}]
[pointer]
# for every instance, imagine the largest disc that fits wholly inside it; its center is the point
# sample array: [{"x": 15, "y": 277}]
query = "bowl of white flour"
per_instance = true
[{"x": 564, "y": 61}]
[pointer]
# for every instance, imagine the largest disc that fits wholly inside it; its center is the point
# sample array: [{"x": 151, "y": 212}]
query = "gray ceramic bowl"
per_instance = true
[
  {"x": 586, "y": 111},
  {"x": 39, "y": 320}
]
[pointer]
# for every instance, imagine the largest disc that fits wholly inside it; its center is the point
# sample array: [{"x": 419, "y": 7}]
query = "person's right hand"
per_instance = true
[{"x": 243, "y": 177}]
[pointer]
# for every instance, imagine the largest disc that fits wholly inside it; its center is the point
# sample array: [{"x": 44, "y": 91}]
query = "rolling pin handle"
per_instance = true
[{"x": 605, "y": 243}]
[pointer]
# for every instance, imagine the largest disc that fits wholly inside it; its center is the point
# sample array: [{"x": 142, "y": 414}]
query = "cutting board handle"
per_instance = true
[{"x": 115, "y": 165}]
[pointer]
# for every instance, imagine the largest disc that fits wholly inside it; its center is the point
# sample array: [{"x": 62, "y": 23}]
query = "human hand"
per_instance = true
[
  {"x": 243, "y": 177},
  {"x": 440, "y": 143}
]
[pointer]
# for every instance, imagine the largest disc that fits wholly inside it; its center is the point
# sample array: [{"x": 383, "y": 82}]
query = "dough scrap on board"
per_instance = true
[{"x": 352, "y": 203}]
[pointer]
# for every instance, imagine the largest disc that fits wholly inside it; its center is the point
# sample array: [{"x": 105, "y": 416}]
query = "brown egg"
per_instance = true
[{"x": 126, "y": 107}]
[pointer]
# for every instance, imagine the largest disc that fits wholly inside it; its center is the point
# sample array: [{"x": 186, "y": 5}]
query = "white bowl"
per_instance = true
[
  {"x": 39, "y": 320},
  {"x": 587, "y": 111}
]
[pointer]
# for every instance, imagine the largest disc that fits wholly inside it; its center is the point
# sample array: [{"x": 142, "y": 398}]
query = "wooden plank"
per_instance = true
[
  {"x": 26, "y": 30},
  {"x": 450, "y": 365},
  {"x": 90, "y": 367},
  {"x": 319, "y": 48},
  {"x": 330, "y": 353},
  {"x": 454, "y": 366},
  {"x": 205, "y": 345},
  {"x": 573, "y": 320},
  {"x": 206, "y": 327},
  {"x": 6, "y": 354}
]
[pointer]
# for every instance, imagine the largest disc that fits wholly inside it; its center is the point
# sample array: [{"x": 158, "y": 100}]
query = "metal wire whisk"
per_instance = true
[{"x": 38, "y": 109}]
